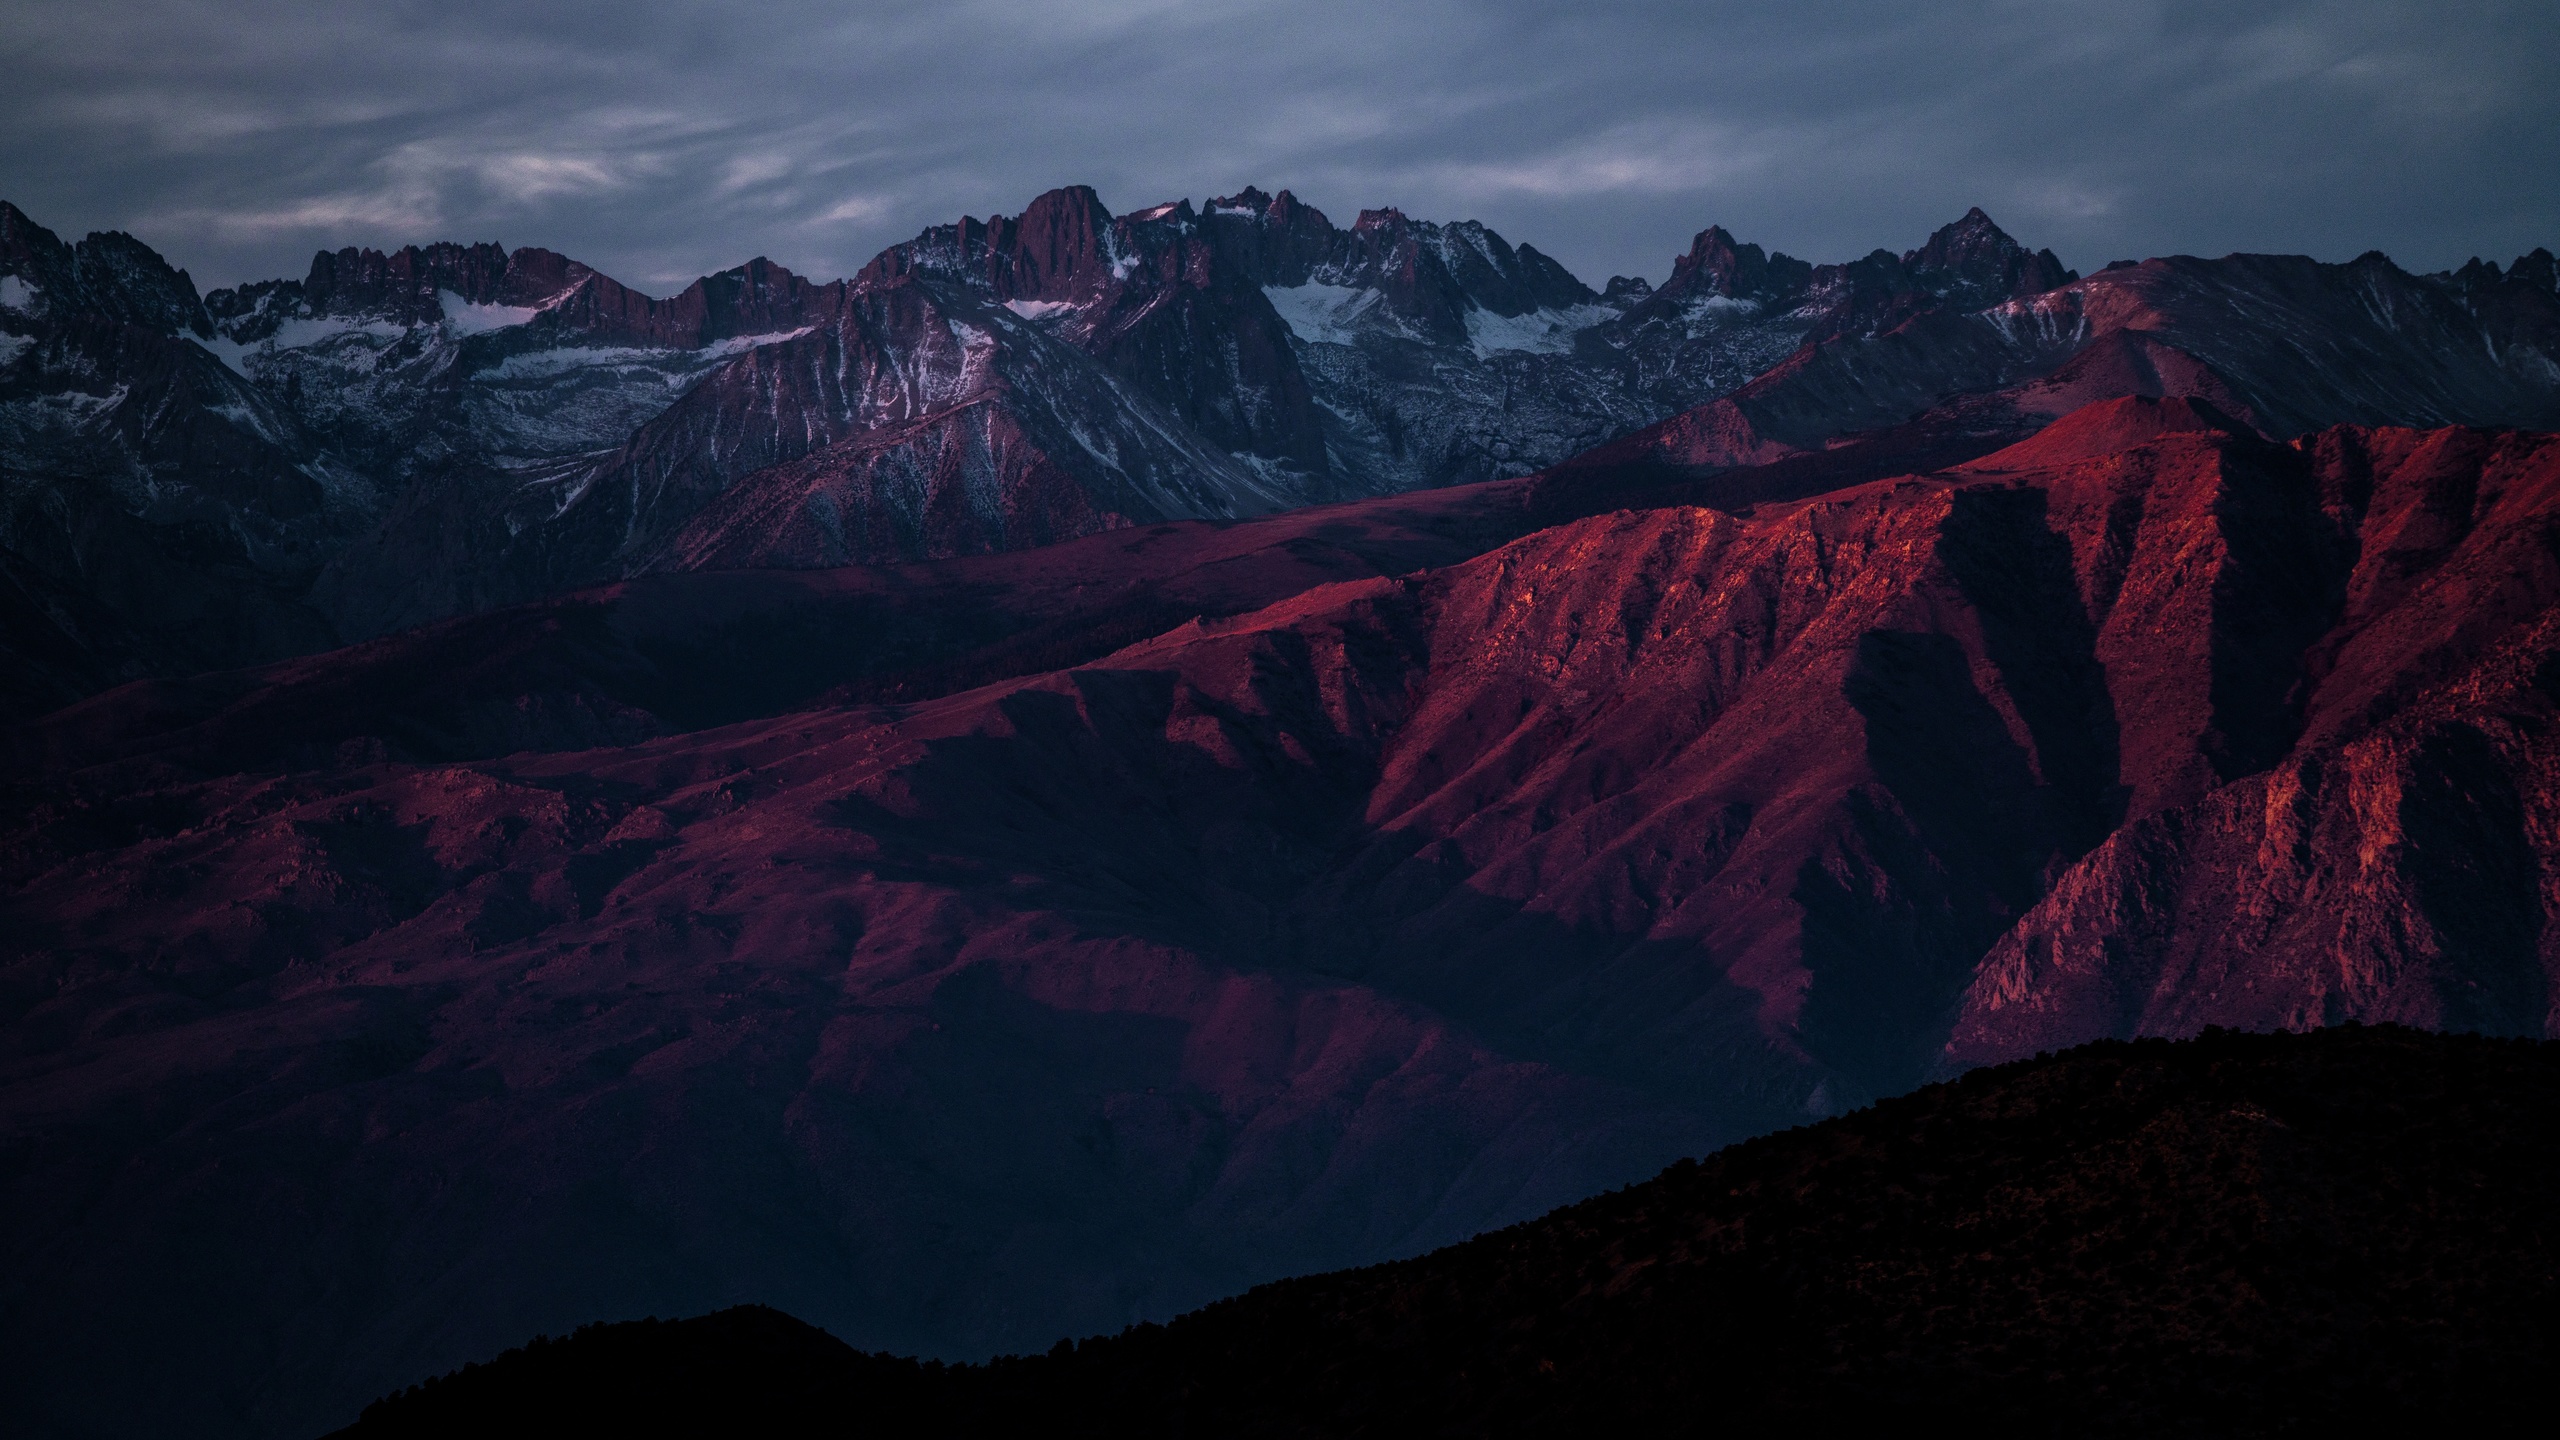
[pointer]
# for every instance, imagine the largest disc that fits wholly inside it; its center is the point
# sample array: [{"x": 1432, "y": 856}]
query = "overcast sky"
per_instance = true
[{"x": 661, "y": 139}]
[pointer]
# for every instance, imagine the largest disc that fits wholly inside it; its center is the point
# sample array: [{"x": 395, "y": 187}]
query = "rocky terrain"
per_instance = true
[
  {"x": 1038, "y": 958},
  {"x": 2224, "y": 1236},
  {"x": 2383, "y": 848}
]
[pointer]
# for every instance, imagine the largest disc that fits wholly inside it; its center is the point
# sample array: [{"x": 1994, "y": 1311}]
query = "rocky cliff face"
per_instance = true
[{"x": 2386, "y": 850}]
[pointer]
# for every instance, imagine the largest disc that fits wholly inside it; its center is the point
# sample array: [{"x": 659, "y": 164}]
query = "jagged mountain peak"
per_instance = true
[
  {"x": 2535, "y": 268},
  {"x": 1287, "y": 206},
  {"x": 553, "y": 298},
  {"x": 1625, "y": 290},
  {"x": 1062, "y": 246},
  {"x": 1063, "y": 242},
  {"x": 1718, "y": 265},
  {"x": 16, "y": 228},
  {"x": 760, "y": 279},
  {"x": 107, "y": 273},
  {"x": 1981, "y": 262},
  {"x": 1252, "y": 201},
  {"x": 403, "y": 285},
  {"x": 1282, "y": 210},
  {"x": 1969, "y": 264},
  {"x": 1975, "y": 229},
  {"x": 113, "y": 262}
]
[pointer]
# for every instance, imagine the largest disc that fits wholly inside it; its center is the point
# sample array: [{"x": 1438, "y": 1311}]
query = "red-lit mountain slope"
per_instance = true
[
  {"x": 2397, "y": 860},
  {"x": 1396, "y": 909}
]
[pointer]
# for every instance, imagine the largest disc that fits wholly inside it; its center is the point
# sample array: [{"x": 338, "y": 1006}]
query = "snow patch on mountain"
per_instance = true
[
  {"x": 741, "y": 344},
  {"x": 1709, "y": 313},
  {"x": 233, "y": 354},
  {"x": 1322, "y": 314},
  {"x": 1545, "y": 332},
  {"x": 465, "y": 318},
  {"x": 73, "y": 407},
  {"x": 1039, "y": 309},
  {"x": 12, "y": 346},
  {"x": 681, "y": 367},
  {"x": 2048, "y": 321},
  {"x": 16, "y": 294},
  {"x": 535, "y": 364},
  {"x": 306, "y": 333},
  {"x": 249, "y": 420},
  {"x": 303, "y": 334},
  {"x": 1285, "y": 483}
]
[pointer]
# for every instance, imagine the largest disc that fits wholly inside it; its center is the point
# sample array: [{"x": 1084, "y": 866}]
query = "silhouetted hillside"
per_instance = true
[{"x": 2238, "y": 1234}]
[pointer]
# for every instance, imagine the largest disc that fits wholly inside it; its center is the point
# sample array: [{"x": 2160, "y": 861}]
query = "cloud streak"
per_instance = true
[{"x": 668, "y": 139}]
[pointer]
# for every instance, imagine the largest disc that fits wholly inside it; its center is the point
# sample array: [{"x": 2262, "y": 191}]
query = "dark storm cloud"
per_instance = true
[{"x": 662, "y": 140}]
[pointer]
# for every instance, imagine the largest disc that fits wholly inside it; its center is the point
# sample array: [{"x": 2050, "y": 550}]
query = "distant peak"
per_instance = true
[
  {"x": 1066, "y": 195},
  {"x": 1976, "y": 228},
  {"x": 1076, "y": 202},
  {"x": 761, "y": 274},
  {"x": 1718, "y": 264},
  {"x": 2537, "y": 269},
  {"x": 1978, "y": 256},
  {"x": 1287, "y": 209}
]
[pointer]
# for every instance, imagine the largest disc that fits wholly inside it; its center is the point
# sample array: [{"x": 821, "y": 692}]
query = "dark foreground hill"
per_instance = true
[{"x": 2237, "y": 1234}]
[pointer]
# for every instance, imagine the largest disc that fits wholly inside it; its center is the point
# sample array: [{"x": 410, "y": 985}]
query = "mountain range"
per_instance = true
[
  {"x": 1106, "y": 760},
  {"x": 198, "y": 482}
]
